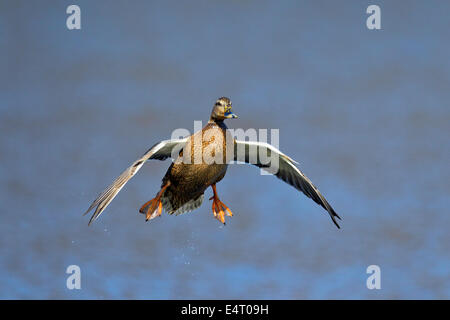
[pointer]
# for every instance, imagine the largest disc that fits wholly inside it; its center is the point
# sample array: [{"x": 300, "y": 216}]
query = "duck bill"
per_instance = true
[{"x": 230, "y": 115}]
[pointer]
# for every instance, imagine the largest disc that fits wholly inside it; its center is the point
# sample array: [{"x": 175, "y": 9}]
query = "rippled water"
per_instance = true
[{"x": 366, "y": 113}]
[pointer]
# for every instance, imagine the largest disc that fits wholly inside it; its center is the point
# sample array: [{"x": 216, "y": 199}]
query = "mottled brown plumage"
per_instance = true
[
  {"x": 189, "y": 180},
  {"x": 202, "y": 163}
]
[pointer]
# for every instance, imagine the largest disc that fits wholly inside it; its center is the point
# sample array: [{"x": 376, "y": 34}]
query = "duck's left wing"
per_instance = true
[
  {"x": 160, "y": 151},
  {"x": 262, "y": 155}
]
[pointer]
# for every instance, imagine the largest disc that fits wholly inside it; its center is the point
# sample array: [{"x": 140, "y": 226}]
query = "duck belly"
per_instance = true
[{"x": 188, "y": 182}]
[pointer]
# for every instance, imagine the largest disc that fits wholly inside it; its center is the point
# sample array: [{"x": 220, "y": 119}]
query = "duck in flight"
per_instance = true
[{"x": 187, "y": 178}]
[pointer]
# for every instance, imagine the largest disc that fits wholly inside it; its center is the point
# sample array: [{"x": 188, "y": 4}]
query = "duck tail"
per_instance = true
[{"x": 174, "y": 207}]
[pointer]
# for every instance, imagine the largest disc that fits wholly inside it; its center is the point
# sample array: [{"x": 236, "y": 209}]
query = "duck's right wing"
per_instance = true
[{"x": 160, "y": 151}]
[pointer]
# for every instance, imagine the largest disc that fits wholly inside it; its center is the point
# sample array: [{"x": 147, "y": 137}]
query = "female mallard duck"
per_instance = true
[{"x": 192, "y": 173}]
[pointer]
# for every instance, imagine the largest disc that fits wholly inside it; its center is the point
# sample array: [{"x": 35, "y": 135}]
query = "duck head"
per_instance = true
[{"x": 222, "y": 110}]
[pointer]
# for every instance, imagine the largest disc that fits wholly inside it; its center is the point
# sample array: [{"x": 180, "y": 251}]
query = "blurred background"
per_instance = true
[{"x": 365, "y": 112}]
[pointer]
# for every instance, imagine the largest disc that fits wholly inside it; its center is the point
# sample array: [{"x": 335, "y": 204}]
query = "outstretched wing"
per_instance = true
[
  {"x": 160, "y": 151},
  {"x": 260, "y": 153}
]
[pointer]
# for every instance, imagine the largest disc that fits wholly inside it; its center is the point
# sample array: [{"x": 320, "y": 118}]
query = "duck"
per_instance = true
[{"x": 200, "y": 161}]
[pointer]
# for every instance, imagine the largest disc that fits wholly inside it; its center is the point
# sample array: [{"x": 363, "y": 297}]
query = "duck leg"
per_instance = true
[
  {"x": 218, "y": 207},
  {"x": 153, "y": 208}
]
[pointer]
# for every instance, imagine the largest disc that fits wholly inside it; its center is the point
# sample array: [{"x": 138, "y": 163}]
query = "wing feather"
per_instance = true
[
  {"x": 251, "y": 151},
  {"x": 160, "y": 151}
]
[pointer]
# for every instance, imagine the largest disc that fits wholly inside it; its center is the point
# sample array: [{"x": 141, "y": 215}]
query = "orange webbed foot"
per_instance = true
[
  {"x": 151, "y": 209},
  {"x": 219, "y": 208}
]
